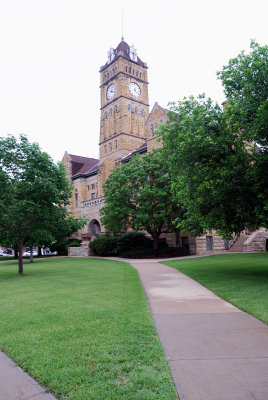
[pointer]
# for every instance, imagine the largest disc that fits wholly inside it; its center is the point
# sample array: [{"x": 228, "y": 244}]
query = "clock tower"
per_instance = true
[{"x": 124, "y": 107}]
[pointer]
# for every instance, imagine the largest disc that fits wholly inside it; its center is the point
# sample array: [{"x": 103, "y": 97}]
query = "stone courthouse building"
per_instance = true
[{"x": 127, "y": 127}]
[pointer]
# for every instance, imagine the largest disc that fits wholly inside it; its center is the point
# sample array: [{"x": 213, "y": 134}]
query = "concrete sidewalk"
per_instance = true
[
  {"x": 15, "y": 384},
  {"x": 216, "y": 351}
]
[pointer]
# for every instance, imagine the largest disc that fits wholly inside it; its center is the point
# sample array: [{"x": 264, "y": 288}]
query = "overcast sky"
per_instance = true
[{"x": 51, "y": 52}]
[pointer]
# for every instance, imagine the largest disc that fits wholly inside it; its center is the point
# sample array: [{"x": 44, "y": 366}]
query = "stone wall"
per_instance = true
[
  {"x": 256, "y": 241},
  {"x": 82, "y": 251}
]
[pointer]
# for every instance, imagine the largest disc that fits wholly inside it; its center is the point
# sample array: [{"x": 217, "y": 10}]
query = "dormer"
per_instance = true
[
  {"x": 133, "y": 53},
  {"x": 111, "y": 55}
]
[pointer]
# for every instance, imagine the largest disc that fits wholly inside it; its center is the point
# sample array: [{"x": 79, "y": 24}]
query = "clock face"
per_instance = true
[
  {"x": 110, "y": 91},
  {"x": 134, "y": 89}
]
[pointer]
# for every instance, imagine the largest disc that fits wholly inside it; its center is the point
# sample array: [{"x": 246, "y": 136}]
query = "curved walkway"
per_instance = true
[{"x": 215, "y": 351}]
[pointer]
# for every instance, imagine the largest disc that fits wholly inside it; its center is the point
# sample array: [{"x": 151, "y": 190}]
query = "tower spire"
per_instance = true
[{"x": 122, "y": 38}]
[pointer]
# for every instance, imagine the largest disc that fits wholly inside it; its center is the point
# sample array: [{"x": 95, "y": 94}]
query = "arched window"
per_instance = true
[{"x": 76, "y": 198}]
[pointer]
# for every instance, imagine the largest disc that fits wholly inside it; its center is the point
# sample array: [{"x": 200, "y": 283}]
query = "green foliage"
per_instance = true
[
  {"x": 33, "y": 192},
  {"x": 245, "y": 82},
  {"x": 211, "y": 169},
  {"x": 149, "y": 252},
  {"x": 132, "y": 240},
  {"x": 138, "y": 196},
  {"x": 104, "y": 246}
]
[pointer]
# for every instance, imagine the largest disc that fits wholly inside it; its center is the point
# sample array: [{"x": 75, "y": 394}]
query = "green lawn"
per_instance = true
[
  {"x": 242, "y": 279},
  {"x": 83, "y": 329}
]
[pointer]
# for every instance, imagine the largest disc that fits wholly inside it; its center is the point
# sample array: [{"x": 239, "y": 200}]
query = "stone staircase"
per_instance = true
[
  {"x": 237, "y": 246},
  {"x": 250, "y": 241}
]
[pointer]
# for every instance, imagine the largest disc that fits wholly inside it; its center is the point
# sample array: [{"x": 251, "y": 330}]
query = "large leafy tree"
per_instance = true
[
  {"x": 218, "y": 157},
  {"x": 210, "y": 169},
  {"x": 33, "y": 192},
  {"x": 245, "y": 83},
  {"x": 138, "y": 196}
]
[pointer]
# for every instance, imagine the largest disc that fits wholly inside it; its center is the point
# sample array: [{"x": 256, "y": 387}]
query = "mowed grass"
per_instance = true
[
  {"x": 83, "y": 329},
  {"x": 241, "y": 279}
]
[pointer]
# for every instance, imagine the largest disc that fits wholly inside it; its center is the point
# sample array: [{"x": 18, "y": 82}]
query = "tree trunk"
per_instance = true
[
  {"x": 156, "y": 241},
  {"x": 31, "y": 254},
  {"x": 20, "y": 260},
  {"x": 16, "y": 254},
  {"x": 177, "y": 237},
  {"x": 39, "y": 252}
]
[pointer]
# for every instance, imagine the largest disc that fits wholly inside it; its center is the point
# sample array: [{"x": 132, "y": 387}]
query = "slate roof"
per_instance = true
[
  {"x": 83, "y": 165},
  {"x": 140, "y": 150},
  {"x": 123, "y": 50}
]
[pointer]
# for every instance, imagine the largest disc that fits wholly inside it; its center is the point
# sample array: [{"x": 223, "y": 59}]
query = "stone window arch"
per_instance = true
[{"x": 76, "y": 198}]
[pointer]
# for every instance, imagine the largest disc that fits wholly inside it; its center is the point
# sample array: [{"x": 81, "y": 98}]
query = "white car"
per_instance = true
[{"x": 28, "y": 253}]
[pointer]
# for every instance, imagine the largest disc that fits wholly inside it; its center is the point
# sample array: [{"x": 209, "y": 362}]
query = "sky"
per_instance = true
[{"x": 51, "y": 52}]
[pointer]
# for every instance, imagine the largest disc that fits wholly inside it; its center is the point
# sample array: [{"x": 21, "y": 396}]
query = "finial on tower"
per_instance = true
[{"x": 122, "y": 39}]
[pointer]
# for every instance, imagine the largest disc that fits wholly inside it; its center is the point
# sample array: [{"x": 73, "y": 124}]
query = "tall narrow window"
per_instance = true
[
  {"x": 129, "y": 107},
  {"x": 115, "y": 109},
  {"x": 76, "y": 200},
  {"x": 152, "y": 129},
  {"x": 111, "y": 146},
  {"x": 115, "y": 144},
  {"x": 105, "y": 148}
]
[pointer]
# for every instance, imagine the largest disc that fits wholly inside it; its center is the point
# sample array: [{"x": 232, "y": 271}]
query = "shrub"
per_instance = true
[
  {"x": 104, "y": 246},
  {"x": 148, "y": 252},
  {"x": 132, "y": 240}
]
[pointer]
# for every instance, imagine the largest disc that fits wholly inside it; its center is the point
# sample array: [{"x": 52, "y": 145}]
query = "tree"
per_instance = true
[
  {"x": 218, "y": 157},
  {"x": 33, "y": 193},
  {"x": 211, "y": 169},
  {"x": 245, "y": 83},
  {"x": 138, "y": 196}
]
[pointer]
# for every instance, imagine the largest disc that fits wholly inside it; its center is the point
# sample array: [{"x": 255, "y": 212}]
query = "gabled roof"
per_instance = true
[
  {"x": 123, "y": 50},
  {"x": 140, "y": 150},
  {"x": 83, "y": 165}
]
